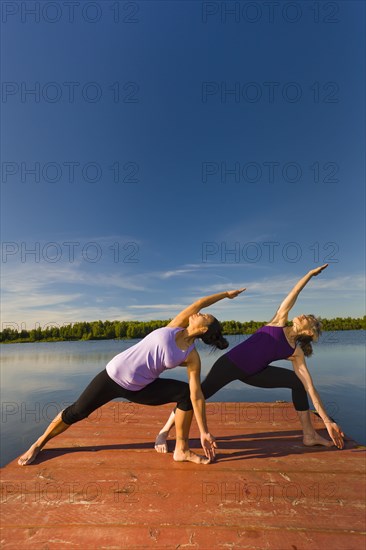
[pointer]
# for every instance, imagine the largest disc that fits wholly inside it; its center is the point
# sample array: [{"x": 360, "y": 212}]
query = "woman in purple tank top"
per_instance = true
[
  {"x": 250, "y": 361},
  {"x": 134, "y": 375}
]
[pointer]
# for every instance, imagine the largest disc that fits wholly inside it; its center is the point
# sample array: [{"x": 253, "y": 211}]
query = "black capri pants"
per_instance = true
[
  {"x": 103, "y": 389},
  {"x": 224, "y": 371}
]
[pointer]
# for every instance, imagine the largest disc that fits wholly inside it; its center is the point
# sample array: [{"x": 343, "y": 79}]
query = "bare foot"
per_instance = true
[
  {"x": 189, "y": 456},
  {"x": 161, "y": 445},
  {"x": 29, "y": 456},
  {"x": 316, "y": 439}
]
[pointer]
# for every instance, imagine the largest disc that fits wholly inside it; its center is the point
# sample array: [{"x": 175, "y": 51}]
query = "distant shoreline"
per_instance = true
[
  {"x": 129, "y": 330},
  {"x": 50, "y": 340}
]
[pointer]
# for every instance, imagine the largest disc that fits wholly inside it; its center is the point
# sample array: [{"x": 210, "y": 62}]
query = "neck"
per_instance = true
[
  {"x": 187, "y": 336},
  {"x": 292, "y": 333}
]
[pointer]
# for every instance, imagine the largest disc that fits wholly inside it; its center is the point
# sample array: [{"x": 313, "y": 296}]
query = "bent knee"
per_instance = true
[
  {"x": 185, "y": 405},
  {"x": 70, "y": 416}
]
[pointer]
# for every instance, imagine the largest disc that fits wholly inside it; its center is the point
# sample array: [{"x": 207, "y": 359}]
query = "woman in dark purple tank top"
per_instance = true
[{"x": 250, "y": 361}]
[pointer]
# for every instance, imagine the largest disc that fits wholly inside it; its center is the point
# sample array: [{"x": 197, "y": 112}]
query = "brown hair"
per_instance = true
[
  {"x": 213, "y": 336},
  {"x": 305, "y": 340}
]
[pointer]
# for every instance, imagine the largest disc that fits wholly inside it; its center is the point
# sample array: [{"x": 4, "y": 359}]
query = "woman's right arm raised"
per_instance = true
[{"x": 281, "y": 316}]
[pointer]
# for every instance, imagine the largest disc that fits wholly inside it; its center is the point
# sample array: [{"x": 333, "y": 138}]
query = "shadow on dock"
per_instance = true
[{"x": 265, "y": 489}]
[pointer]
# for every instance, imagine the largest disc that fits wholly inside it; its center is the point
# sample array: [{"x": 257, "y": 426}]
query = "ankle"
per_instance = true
[
  {"x": 309, "y": 433},
  {"x": 39, "y": 443},
  {"x": 181, "y": 444}
]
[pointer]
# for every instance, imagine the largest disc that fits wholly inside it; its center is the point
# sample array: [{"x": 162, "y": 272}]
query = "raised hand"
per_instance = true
[
  {"x": 317, "y": 270},
  {"x": 234, "y": 293}
]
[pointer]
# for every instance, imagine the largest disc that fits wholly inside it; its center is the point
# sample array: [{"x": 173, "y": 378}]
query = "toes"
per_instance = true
[
  {"x": 161, "y": 444},
  {"x": 190, "y": 457},
  {"x": 311, "y": 442},
  {"x": 24, "y": 460},
  {"x": 161, "y": 448}
]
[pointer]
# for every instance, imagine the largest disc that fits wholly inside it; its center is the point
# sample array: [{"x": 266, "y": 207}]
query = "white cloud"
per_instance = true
[
  {"x": 158, "y": 306},
  {"x": 277, "y": 285},
  {"x": 175, "y": 273},
  {"x": 71, "y": 292}
]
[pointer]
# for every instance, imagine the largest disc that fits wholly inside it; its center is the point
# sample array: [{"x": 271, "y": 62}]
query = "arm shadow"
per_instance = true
[{"x": 250, "y": 445}]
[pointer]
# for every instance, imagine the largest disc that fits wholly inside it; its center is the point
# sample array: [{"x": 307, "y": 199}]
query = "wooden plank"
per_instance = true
[{"x": 100, "y": 484}]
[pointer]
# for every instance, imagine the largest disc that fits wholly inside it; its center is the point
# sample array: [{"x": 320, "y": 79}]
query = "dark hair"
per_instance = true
[
  {"x": 305, "y": 344},
  {"x": 213, "y": 336},
  {"x": 304, "y": 340}
]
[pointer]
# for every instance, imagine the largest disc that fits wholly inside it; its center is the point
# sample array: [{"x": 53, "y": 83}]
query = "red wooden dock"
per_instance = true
[{"x": 101, "y": 485}]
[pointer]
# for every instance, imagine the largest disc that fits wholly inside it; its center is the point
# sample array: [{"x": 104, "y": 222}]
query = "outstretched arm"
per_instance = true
[
  {"x": 281, "y": 315},
  {"x": 199, "y": 405},
  {"x": 182, "y": 319},
  {"x": 301, "y": 370}
]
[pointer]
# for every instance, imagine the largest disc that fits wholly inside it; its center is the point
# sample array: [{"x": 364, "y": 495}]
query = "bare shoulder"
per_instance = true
[
  {"x": 174, "y": 323},
  {"x": 274, "y": 323},
  {"x": 193, "y": 360},
  {"x": 193, "y": 357},
  {"x": 298, "y": 356},
  {"x": 279, "y": 319}
]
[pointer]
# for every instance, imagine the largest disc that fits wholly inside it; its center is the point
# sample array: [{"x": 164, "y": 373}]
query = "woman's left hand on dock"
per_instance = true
[
  {"x": 336, "y": 434},
  {"x": 209, "y": 445}
]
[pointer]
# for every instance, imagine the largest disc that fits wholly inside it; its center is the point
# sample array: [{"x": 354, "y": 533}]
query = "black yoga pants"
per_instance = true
[
  {"x": 224, "y": 371},
  {"x": 103, "y": 389}
]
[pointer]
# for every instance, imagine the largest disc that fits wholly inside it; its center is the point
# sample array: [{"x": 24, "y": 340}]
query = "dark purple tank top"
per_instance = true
[{"x": 267, "y": 344}]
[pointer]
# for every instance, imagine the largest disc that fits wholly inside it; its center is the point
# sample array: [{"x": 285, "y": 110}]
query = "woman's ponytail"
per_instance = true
[
  {"x": 213, "y": 336},
  {"x": 305, "y": 344},
  {"x": 305, "y": 340}
]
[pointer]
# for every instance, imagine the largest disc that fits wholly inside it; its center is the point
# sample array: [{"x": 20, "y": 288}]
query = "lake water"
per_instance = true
[{"x": 40, "y": 379}]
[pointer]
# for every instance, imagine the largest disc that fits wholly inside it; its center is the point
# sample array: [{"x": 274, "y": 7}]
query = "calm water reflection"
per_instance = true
[{"x": 40, "y": 379}]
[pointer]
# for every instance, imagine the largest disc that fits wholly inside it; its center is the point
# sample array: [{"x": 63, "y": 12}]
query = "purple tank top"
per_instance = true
[
  {"x": 141, "y": 364},
  {"x": 264, "y": 346}
]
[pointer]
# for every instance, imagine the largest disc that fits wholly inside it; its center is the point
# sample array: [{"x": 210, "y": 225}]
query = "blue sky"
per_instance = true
[{"x": 179, "y": 150}]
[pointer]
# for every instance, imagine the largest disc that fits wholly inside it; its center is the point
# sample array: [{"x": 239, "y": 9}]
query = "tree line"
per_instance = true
[{"x": 108, "y": 330}]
